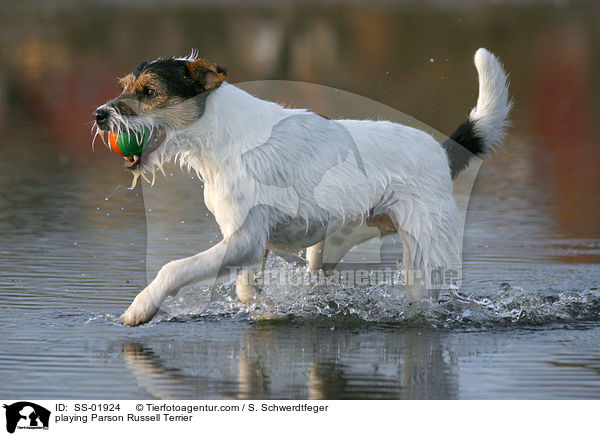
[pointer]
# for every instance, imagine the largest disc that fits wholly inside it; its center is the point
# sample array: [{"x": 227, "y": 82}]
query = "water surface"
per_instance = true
[{"x": 74, "y": 240}]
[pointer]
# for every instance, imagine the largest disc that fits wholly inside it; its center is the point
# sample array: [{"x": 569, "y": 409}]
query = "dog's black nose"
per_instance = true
[{"x": 101, "y": 114}]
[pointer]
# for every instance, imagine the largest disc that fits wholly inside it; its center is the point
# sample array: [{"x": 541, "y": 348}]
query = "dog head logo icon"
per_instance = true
[{"x": 24, "y": 414}]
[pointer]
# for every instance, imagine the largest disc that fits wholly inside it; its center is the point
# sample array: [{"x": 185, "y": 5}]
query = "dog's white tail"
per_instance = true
[
  {"x": 490, "y": 114},
  {"x": 487, "y": 121}
]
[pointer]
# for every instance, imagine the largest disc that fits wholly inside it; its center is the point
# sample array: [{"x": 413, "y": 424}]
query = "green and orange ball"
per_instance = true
[{"x": 129, "y": 143}]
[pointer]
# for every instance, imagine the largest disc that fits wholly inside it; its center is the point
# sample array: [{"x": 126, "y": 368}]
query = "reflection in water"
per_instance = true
[
  {"x": 159, "y": 379},
  {"x": 298, "y": 361}
]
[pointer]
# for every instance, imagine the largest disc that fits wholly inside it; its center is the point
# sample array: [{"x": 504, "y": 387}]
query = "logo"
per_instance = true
[{"x": 26, "y": 415}]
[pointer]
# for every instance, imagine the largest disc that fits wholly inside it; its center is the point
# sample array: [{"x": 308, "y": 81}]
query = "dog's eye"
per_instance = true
[{"x": 149, "y": 92}]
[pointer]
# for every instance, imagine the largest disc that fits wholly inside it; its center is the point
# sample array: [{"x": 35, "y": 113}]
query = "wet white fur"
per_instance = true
[
  {"x": 493, "y": 104},
  {"x": 404, "y": 173}
]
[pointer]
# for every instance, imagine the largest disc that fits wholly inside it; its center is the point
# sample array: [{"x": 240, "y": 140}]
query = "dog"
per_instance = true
[{"x": 285, "y": 179}]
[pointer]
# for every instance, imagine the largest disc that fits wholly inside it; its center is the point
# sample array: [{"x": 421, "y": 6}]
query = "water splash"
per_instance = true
[
  {"x": 119, "y": 187},
  {"x": 308, "y": 298}
]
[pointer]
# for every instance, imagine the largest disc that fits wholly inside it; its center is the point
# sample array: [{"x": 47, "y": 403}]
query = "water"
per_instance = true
[{"x": 74, "y": 241}]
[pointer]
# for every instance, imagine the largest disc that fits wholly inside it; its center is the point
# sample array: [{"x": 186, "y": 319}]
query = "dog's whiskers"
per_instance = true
[
  {"x": 96, "y": 133},
  {"x": 136, "y": 176},
  {"x": 143, "y": 174}
]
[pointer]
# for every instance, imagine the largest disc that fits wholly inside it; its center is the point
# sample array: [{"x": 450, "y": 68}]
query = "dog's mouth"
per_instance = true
[
  {"x": 132, "y": 162},
  {"x": 157, "y": 137}
]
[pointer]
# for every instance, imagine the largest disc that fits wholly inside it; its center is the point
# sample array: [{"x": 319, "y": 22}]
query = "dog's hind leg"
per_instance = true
[
  {"x": 246, "y": 287},
  {"x": 429, "y": 245},
  {"x": 414, "y": 268}
]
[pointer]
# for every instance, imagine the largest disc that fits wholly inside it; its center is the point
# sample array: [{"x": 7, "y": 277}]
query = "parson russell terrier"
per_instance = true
[{"x": 286, "y": 179}]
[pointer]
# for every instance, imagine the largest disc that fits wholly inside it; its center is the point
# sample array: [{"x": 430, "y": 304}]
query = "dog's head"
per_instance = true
[{"x": 163, "y": 95}]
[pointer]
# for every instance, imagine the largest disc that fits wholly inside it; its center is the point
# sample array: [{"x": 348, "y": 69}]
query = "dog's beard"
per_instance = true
[
  {"x": 167, "y": 145},
  {"x": 152, "y": 158}
]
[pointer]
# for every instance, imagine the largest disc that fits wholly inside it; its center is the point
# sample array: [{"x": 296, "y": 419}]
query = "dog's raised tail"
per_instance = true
[{"x": 487, "y": 122}]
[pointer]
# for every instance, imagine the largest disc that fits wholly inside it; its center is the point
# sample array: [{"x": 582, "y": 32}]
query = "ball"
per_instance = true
[{"x": 129, "y": 143}]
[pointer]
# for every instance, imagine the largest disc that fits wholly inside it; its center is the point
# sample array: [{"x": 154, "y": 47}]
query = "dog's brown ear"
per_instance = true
[{"x": 206, "y": 73}]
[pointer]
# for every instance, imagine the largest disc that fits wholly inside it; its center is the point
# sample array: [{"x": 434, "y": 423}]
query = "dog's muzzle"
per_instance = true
[
  {"x": 101, "y": 115},
  {"x": 157, "y": 137}
]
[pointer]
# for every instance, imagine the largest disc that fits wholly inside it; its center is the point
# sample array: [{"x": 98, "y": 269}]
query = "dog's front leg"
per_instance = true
[{"x": 236, "y": 251}]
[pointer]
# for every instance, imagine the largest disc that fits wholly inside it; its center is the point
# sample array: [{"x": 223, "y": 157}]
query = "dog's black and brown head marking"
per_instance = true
[
  {"x": 159, "y": 84},
  {"x": 160, "y": 94},
  {"x": 155, "y": 81}
]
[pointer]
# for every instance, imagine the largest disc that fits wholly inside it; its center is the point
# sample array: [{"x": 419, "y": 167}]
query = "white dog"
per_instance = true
[{"x": 287, "y": 179}]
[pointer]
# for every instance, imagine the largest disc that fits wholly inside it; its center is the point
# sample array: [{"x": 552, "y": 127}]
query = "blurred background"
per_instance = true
[
  {"x": 61, "y": 59},
  {"x": 73, "y": 238}
]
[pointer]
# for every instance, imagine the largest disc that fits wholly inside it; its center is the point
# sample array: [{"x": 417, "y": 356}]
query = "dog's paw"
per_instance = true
[
  {"x": 141, "y": 310},
  {"x": 246, "y": 291}
]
